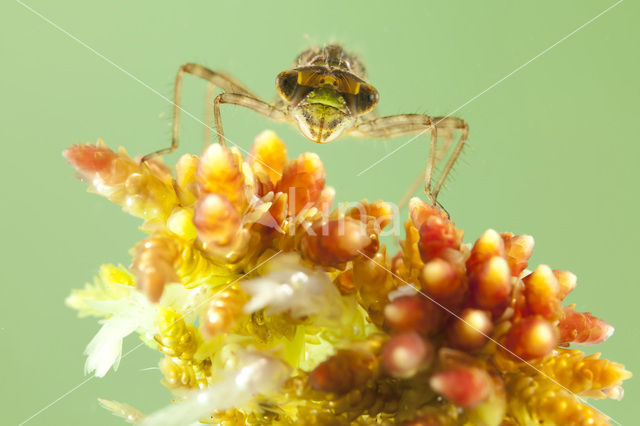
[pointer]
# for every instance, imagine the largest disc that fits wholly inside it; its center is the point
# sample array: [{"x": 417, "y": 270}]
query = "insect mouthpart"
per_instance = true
[
  {"x": 327, "y": 96},
  {"x": 323, "y": 115}
]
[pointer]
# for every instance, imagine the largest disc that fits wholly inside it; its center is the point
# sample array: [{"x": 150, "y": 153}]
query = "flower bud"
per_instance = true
[
  {"x": 442, "y": 281},
  {"x": 334, "y": 242},
  {"x": 465, "y": 386},
  {"x": 518, "y": 249},
  {"x": 472, "y": 330},
  {"x": 437, "y": 232},
  {"x": 302, "y": 180},
  {"x": 220, "y": 172},
  {"x": 566, "y": 281},
  {"x": 268, "y": 156},
  {"x": 346, "y": 370},
  {"x": 405, "y": 354},
  {"x": 186, "y": 169},
  {"x": 220, "y": 314},
  {"x": 414, "y": 313},
  {"x": 216, "y": 220},
  {"x": 380, "y": 211},
  {"x": 490, "y": 244},
  {"x": 491, "y": 284},
  {"x": 582, "y": 328},
  {"x": 533, "y": 337},
  {"x": 154, "y": 265},
  {"x": 541, "y": 290}
]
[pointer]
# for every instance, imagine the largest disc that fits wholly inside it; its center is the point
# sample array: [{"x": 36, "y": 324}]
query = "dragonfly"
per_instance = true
[{"x": 325, "y": 94}]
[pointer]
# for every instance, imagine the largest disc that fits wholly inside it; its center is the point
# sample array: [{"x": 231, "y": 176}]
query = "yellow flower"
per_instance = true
[{"x": 269, "y": 307}]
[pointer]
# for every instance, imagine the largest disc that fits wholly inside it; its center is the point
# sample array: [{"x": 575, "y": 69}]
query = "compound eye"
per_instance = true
[
  {"x": 286, "y": 84},
  {"x": 366, "y": 99}
]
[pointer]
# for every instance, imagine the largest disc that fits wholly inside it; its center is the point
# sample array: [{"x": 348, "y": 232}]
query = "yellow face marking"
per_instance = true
[{"x": 342, "y": 82}]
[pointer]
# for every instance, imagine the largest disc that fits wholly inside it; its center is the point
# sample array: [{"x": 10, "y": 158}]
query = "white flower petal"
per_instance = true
[
  {"x": 127, "y": 316},
  {"x": 299, "y": 290},
  {"x": 260, "y": 374},
  {"x": 125, "y": 411},
  {"x": 135, "y": 313},
  {"x": 105, "y": 349}
]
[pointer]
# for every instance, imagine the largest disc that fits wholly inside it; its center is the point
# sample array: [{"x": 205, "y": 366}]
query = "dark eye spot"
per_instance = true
[
  {"x": 366, "y": 99},
  {"x": 286, "y": 84}
]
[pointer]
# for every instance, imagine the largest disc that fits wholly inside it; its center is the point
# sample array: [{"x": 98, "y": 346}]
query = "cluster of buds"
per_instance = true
[{"x": 247, "y": 255}]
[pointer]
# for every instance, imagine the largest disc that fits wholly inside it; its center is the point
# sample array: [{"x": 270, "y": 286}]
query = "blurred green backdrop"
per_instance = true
[{"x": 552, "y": 150}]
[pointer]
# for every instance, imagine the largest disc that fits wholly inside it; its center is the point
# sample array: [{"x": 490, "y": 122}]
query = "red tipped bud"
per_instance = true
[
  {"x": 143, "y": 190},
  {"x": 533, "y": 337},
  {"x": 419, "y": 211},
  {"x": 414, "y": 313},
  {"x": 441, "y": 280},
  {"x": 437, "y": 235},
  {"x": 465, "y": 386},
  {"x": 566, "y": 281},
  {"x": 542, "y": 292},
  {"x": 405, "y": 354},
  {"x": 518, "y": 249},
  {"x": 216, "y": 220},
  {"x": 344, "y": 371},
  {"x": 490, "y": 244},
  {"x": 335, "y": 242},
  {"x": 582, "y": 328},
  {"x": 472, "y": 330},
  {"x": 268, "y": 157},
  {"x": 220, "y": 172},
  {"x": 491, "y": 284},
  {"x": 302, "y": 180},
  {"x": 379, "y": 211},
  {"x": 437, "y": 232},
  {"x": 93, "y": 161}
]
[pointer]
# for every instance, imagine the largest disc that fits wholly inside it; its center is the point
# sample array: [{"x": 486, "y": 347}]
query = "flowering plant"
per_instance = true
[{"x": 270, "y": 307}]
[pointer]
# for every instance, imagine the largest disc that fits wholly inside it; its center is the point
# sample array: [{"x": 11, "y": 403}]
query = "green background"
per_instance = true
[{"x": 552, "y": 153}]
